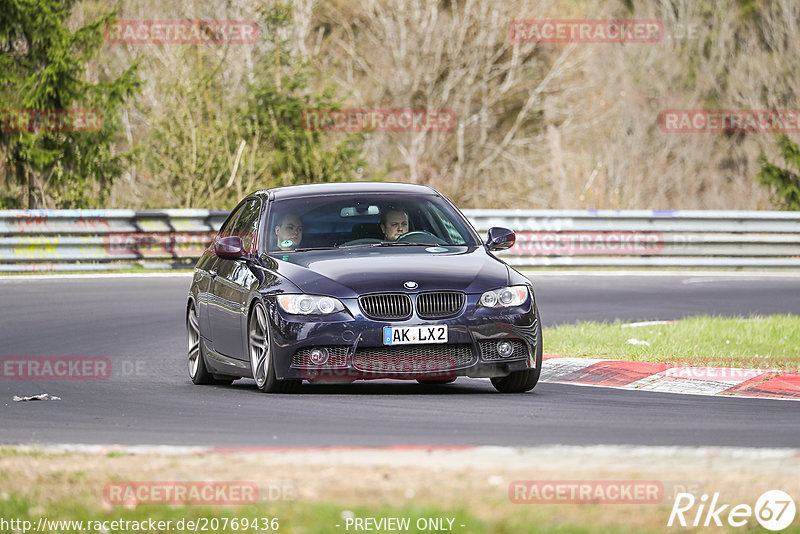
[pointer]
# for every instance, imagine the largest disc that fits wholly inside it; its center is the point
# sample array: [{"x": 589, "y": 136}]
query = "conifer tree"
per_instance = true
[
  {"x": 56, "y": 127},
  {"x": 784, "y": 183}
]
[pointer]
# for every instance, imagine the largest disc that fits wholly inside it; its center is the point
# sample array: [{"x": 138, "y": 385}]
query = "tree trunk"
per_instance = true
[{"x": 24, "y": 175}]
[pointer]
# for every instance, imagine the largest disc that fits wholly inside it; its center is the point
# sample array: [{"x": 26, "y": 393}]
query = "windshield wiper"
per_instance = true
[
  {"x": 389, "y": 244},
  {"x": 306, "y": 249},
  {"x": 403, "y": 244},
  {"x": 359, "y": 245}
]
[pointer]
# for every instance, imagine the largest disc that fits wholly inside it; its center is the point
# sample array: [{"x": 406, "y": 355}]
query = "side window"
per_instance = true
[
  {"x": 246, "y": 225},
  {"x": 227, "y": 227},
  {"x": 453, "y": 236}
]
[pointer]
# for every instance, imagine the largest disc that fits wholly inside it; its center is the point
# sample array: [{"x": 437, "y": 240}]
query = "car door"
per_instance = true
[
  {"x": 205, "y": 272},
  {"x": 231, "y": 287}
]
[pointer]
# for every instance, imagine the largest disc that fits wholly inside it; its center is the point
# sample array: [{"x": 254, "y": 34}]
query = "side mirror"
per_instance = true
[
  {"x": 230, "y": 247},
  {"x": 500, "y": 238}
]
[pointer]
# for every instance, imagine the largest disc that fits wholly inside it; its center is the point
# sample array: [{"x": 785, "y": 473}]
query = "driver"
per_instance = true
[
  {"x": 394, "y": 223},
  {"x": 289, "y": 231}
]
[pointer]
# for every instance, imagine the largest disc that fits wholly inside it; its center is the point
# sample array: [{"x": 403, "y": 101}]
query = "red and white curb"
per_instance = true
[{"x": 647, "y": 376}]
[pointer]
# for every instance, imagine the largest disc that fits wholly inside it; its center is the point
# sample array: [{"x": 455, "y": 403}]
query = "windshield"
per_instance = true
[{"x": 375, "y": 220}]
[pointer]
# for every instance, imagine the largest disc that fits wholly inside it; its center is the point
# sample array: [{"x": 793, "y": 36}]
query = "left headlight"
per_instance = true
[
  {"x": 309, "y": 304},
  {"x": 505, "y": 297}
]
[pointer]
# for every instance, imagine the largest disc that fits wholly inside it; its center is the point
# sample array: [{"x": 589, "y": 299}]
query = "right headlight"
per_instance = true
[
  {"x": 505, "y": 297},
  {"x": 309, "y": 304}
]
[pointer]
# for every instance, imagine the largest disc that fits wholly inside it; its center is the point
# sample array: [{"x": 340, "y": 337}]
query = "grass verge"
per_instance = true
[
  {"x": 304, "y": 517},
  {"x": 756, "y": 342},
  {"x": 460, "y": 491}
]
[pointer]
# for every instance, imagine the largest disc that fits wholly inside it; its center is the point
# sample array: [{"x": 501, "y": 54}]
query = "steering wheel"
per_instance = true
[{"x": 421, "y": 236}]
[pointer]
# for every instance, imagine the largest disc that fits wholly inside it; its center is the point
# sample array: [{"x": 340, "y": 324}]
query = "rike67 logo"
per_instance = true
[{"x": 774, "y": 510}]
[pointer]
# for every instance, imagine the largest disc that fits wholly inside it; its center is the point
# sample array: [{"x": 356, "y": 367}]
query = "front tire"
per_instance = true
[
  {"x": 260, "y": 349},
  {"x": 526, "y": 380}
]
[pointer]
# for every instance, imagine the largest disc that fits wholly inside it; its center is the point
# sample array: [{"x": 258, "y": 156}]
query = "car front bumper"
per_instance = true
[{"x": 355, "y": 348}]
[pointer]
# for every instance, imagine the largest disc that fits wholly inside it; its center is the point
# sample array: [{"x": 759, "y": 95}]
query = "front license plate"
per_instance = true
[{"x": 407, "y": 335}]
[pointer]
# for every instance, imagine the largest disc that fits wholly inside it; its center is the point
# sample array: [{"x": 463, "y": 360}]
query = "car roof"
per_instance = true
[{"x": 339, "y": 188}]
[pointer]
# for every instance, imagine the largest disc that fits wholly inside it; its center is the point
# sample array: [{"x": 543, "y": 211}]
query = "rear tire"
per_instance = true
[
  {"x": 197, "y": 364},
  {"x": 260, "y": 348},
  {"x": 526, "y": 380},
  {"x": 198, "y": 371}
]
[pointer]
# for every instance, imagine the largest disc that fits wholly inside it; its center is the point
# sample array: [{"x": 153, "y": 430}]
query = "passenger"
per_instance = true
[
  {"x": 394, "y": 223},
  {"x": 289, "y": 231}
]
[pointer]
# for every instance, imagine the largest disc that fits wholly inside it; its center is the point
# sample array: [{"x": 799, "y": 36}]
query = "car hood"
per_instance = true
[{"x": 353, "y": 272}]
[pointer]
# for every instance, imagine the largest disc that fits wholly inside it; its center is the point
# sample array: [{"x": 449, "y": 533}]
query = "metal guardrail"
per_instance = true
[
  {"x": 63, "y": 240},
  {"x": 640, "y": 238},
  {"x": 60, "y": 240}
]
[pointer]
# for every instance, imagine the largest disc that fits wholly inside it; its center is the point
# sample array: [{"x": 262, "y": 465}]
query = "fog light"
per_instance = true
[
  {"x": 505, "y": 349},
  {"x": 318, "y": 356}
]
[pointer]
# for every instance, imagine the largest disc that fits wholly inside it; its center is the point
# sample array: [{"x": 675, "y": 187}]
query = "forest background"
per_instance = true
[{"x": 539, "y": 125}]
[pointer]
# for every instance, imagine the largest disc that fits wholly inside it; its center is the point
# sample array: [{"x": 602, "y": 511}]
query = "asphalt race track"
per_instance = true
[
  {"x": 137, "y": 323},
  {"x": 568, "y": 298}
]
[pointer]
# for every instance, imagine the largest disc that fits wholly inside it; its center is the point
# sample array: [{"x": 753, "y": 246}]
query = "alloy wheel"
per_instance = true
[
  {"x": 193, "y": 340},
  {"x": 258, "y": 335}
]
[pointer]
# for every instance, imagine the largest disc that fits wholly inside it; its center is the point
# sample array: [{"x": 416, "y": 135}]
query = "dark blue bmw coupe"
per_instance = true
[{"x": 341, "y": 282}]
